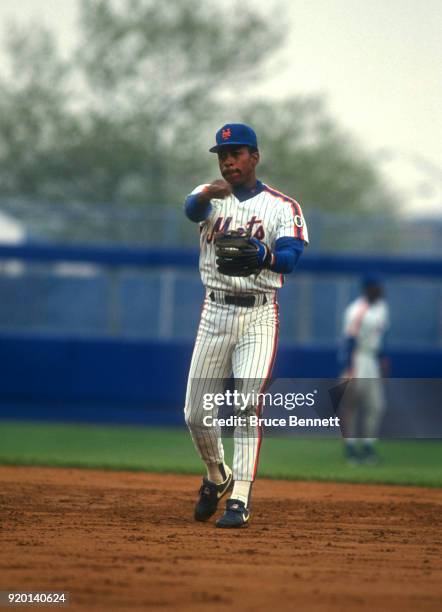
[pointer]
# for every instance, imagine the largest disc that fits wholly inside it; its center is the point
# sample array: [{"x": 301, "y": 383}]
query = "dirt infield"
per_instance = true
[{"x": 127, "y": 541}]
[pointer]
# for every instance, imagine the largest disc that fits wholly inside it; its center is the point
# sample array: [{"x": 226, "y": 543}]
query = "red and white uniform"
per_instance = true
[
  {"x": 367, "y": 323},
  {"x": 269, "y": 215}
]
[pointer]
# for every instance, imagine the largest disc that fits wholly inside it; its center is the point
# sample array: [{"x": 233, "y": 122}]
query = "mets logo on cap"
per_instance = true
[{"x": 232, "y": 134}]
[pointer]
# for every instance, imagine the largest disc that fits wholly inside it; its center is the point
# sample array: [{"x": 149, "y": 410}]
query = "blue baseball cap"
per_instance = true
[
  {"x": 371, "y": 279},
  {"x": 235, "y": 134}
]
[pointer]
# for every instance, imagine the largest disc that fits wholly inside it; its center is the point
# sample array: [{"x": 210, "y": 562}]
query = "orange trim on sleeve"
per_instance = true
[{"x": 298, "y": 232}]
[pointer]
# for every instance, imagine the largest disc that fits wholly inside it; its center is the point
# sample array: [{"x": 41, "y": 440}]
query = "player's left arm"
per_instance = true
[
  {"x": 285, "y": 255},
  {"x": 290, "y": 240}
]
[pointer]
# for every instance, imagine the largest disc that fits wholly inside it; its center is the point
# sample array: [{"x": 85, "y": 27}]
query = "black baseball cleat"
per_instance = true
[
  {"x": 352, "y": 454},
  {"x": 235, "y": 516},
  {"x": 209, "y": 495},
  {"x": 369, "y": 455}
]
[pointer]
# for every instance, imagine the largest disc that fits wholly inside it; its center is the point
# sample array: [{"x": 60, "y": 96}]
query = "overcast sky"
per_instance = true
[{"x": 378, "y": 63}]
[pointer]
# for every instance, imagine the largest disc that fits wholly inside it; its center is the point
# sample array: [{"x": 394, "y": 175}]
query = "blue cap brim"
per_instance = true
[{"x": 216, "y": 148}]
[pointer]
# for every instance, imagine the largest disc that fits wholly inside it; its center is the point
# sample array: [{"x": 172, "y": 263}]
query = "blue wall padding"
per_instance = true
[{"x": 128, "y": 381}]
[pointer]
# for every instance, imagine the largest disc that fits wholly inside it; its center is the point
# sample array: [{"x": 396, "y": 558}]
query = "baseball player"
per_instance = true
[
  {"x": 366, "y": 321},
  {"x": 250, "y": 236}
]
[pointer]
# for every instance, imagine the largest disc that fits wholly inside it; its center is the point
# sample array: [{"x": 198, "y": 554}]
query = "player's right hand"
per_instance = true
[{"x": 219, "y": 189}]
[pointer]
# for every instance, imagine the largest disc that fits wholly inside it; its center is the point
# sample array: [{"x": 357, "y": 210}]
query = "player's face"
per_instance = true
[
  {"x": 373, "y": 293},
  {"x": 237, "y": 165}
]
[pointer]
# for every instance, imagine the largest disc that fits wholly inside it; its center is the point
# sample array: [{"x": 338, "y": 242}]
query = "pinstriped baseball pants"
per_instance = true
[{"x": 231, "y": 340}]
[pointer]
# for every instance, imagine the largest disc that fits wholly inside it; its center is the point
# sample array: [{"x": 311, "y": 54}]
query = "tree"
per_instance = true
[
  {"x": 33, "y": 112},
  {"x": 306, "y": 154},
  {"x": 149, "y": 78},
  {"x": 156, "y": 71},
  {"x": 130, "y": 116}
]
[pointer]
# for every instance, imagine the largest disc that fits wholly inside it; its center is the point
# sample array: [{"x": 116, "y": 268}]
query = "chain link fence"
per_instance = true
[{"x": 166, "y": 226}]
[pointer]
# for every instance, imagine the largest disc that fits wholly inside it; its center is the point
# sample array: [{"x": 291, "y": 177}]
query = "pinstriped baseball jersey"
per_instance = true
[
  {"x": 235, "y": 340},
  {"x": 268, "y": 215}
]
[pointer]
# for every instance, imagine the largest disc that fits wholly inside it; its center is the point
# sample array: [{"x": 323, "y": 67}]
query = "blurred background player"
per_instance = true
[{"x": 366, "y": 321}]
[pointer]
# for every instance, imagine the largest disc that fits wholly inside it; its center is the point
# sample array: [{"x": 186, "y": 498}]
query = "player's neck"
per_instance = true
[
  {"x": 244, "y": 192},
  {"x": 250, "y": 183}
]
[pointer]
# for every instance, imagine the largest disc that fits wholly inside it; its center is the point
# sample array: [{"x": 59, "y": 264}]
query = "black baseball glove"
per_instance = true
[{"x": 237, "y": 254}]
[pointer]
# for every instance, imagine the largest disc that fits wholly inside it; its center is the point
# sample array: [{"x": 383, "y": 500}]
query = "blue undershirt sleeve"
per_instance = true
[
  {"x": 382, "y": 349},
  {"x": 286, "y": 254},
  {"x": 346, "y": 352},
  {"x": 195, "y": 210}
]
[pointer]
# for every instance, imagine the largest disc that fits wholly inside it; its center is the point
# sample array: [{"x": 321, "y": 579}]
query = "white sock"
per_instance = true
[
  {"x": 241, "y": 491},
  {"x": 217, "y": 472}
]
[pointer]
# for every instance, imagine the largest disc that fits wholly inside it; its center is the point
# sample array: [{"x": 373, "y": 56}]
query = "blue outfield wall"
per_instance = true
[
  {"x": 83, "y": 378},
  {"x": 353, "y": 263},
  {"x": 139, "y": 382}
]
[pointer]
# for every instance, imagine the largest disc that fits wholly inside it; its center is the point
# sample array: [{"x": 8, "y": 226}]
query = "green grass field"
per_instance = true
[{"x": 171, "y": 450}]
